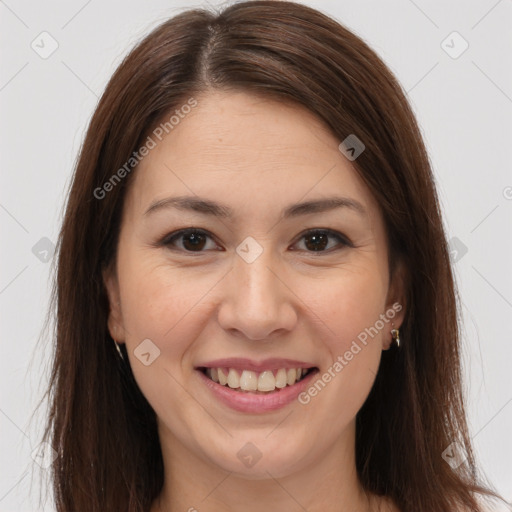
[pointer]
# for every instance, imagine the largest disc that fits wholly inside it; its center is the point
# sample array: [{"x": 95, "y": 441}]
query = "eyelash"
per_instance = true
[{"x": 169, "y": 239}]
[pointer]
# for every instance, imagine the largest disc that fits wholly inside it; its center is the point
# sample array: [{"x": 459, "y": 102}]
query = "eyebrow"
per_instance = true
[{"x": 208, "y": 207}]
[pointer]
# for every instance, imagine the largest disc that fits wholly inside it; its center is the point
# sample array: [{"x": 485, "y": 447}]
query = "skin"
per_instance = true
[{"x": 256, "y": 156}]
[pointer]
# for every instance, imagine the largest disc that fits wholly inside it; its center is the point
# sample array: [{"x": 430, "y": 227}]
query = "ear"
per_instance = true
[
  {"x": 115, "y": 318},
  {"x": 395, "y": 302}
]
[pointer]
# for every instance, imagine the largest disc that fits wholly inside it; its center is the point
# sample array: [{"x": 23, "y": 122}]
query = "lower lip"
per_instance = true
[{"x": 248, "y": 402}]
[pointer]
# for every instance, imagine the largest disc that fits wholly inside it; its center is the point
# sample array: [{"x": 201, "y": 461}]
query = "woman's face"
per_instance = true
[{"x": 259, "y": 287}]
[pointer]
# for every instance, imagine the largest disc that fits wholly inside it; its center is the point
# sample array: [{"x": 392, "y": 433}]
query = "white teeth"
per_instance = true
[
  {"x": 281, "y": 378},
  {"x": 223, "y": 378},
  {"x": 247, "y": 380},
  {"x": 291, "y": 375},
  {"x": 266, "y": 381},
  {"x": 233, "y": 379}
]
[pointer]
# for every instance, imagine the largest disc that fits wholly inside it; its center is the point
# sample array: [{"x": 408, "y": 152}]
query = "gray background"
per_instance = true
[{"x": 464, "y": 107}]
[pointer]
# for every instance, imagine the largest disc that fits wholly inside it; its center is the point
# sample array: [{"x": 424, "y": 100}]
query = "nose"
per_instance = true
[{"x": 257, "y": 303}]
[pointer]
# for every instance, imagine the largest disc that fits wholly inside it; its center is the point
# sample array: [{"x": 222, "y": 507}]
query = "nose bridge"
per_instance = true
[
  {"x": 257, "y": 283},
  {"x": 255, "y": 301}
]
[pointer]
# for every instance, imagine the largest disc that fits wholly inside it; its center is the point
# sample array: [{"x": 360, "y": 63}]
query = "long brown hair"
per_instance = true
[{"x": 100, "y": 424}]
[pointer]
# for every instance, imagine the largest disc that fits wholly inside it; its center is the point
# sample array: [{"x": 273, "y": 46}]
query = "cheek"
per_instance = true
[
  {"x": 162, "y": 309},
  {"x": 353, "y": 308},
  {"x": 168, "y": 306},
  {"x": 161, "y": 306}
]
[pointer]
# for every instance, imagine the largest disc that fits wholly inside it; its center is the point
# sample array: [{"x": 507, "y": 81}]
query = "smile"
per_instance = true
[
  {"x": 255, "y": 387},
  {"x": 266, "y": 381}
]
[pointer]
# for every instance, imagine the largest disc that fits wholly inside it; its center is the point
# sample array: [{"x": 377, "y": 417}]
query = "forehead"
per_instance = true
[{"x": 248, "y": 148}]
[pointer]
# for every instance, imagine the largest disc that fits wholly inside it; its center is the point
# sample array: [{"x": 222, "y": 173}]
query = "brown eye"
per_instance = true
[
  {"x": 318, "y": 240},
  {"x": 196, "y": 240},
  {"x": 192, "y": 240}
]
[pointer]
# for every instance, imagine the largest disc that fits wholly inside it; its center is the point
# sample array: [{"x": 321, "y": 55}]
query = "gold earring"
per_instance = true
[{"x": 395, "y": 335}]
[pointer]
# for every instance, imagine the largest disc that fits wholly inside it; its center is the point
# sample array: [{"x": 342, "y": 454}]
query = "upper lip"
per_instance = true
[{"x": 241, "y": 363}]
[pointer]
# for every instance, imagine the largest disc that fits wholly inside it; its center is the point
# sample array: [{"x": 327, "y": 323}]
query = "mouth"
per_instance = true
[
  {"x": 264, "y": 382},
  {"x": 256, "y": 387}
]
